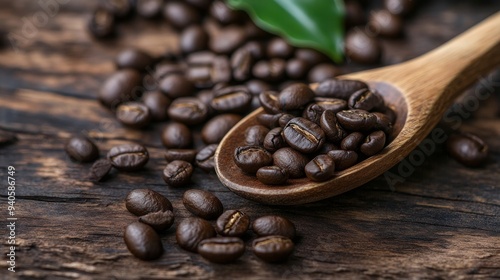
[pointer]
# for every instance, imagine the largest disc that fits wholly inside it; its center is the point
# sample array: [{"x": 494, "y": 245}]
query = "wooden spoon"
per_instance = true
[{"x": 420, "y": 91}]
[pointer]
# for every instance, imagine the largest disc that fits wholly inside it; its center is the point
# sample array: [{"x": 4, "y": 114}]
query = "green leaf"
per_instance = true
[{"x": 317, "y": 24}]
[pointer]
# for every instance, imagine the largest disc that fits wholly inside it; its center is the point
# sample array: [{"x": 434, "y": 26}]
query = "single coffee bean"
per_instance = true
[
  {"x": 339, "y": 88},
  {"x": 352, "y": 142},
  {"x": 273, "y": 225},
  {"x": 295, "y": 97},
  {"x": 180, "y": 154},
  {"x": 323, "y": 72},
  {"x": 343, "y": 159},
  {"x": 99, "y": 170},
  {"x": 202, "y": 203},
  {"x": 159, "y": 221},
  {"x": 217, "y": 127},
  {"x": 373, "y": 144},
  {"x": 121, "y": 87},
  {"x": 256, "y": 87},
  {"x": 333, "y": 131},
  {"x": 128, "y": 157},
  {"x": 399, "y": 7},
  {"x": 279, "y": 48},
  {"x": 354, "y": 14},
  {"x": 297, "y": 68},
  {"x": 314, "y": 110},
  {"x": 200, "y": 58},
  {"x": 142, "y": 241},
  {"x": 303, "y": 135},
  {"x": 82, "y": 149},
  {"x": 241, "y": 64},
  {"x": 366, "y": 99},
  {"x": 205, "y": 158},
  {"x": 168, "y": 68},
  {"x": 7, "y": 138},
  {"x": 177, "y": 136},
  {"x": 320, "y": 169},
  {"x": 193, "y": 39},
  {"x": 291, "y": 160},
  {"x": 250, "y": 158},
  {"x": 180, "y": 14},
  {"x": 311, "y": 56},
  {"x": 270, "y": 70},
  {"x": 157, "y": 103},
  {"x": 274, "y": 140},
  {"x": 256, "y": 48},
  {"x": 269, "y": 101},
  {"x": 227, "y": 40},
  {"x": 149, "y": 8},
  {"x": 188, "y": 110},
  {"x": 221, "y": 70},
  {"x": 362, "y": 48},
  {"x": 221, "y": 249},
  {"x": 269, "y": 120},
  {"x": 284, "y": 119},
  {"x": 225, "y": 15},
  {"x": 468, "y": 149},
  {"x": 134, "y": 59},
  {"x": 384, "y": 23},
  {"x": 133, "y": 114},
  {"x": 272, "y": 175},
  {"x": 191, "y": 231},
  {"x": 383, "y": 122},
  {"x": 102, "y": 23},
  {"x": 255, "y": 135},
  {"x": 232, "y": 223},
  {"x": 357, "y": 120},
  {"x": 144, "y": 201},
  {"x": 175, "y": 86},
  {"x": 200, "y": 76},
  {"x": 234, "y": 99},
  {"x": 177, "y": 173},
  {"x": 273, "y": 248}
]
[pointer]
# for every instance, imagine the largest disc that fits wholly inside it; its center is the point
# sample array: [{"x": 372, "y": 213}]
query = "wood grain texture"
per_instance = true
[{"x": 442, "y": 222}]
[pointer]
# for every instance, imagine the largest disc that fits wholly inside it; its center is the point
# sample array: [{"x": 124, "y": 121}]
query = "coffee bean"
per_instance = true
[
  {"x": 254, "y": 32},
  {"x": 201, "y": 58},
  {"x": 217, "y": 127},
  {"x": 255, "y": 135},
  {"x": 102, "y": 23},
  {"x": 177, "y": 173},
  {"x": 270, "y": 70},
  {"x": 362, "y": 48},
  {"x": 221, "y": 70},
  {"x": 7, "y": 138},
  {"x": 365, "y": 99},
  {"x": 157, "y": 104},
  {"x": 328, "y": 146},
  {"x": 333, "y": 131},
  {"x": 468, "y": 149},
  {"x": 303, "y": 135},
  {"x": 159, "y": 221},
  {"x": 295, "y": 97},
  {"x": 134, "y": 59},
  {"x": 284, "y": 119},
  {"x": 274, "y": 140},
  {"x": 81, "y": 149},
  {"x": 99, "y": 170},
  {"x": 339, "y": 88},
  {"x": 133, "y": 114},
  {"x": 202, "y": 203},
  {"x": 357, "y": 120},
  {"x": 323, "y": 72},
  {"x": 232, "y": 223},
  {"x": 354, "y": 14},
  {"x": 297, "y": 68},
  {"x": 320, "y": 169},
  {"x": 343, "y": 159},
  {"x": 191, "y": 231},
  {"x": 142, "y": 241},
  {"x": 383, "y": 122},
  {"x": 221, "y": 249},
  {"x": 314, "y": 110},
  {"x": 122, "y": 86},
  {"x": 384, "y": 23},
  {"x": 120, "y": 8},
  {"x": 227, "y": 40},
  {"x": 273, "y": 248},
  {"x": 177, "y": 136},
  {"x": 352, "y": 142},
  {"x": 200, "y": 4},
  {"x": 399, "y": 7},
  {"x": 193, "y": 39},
  {"x": 180, "y": 154},
  {"x": 234, "y": 99},
  {"x": 311, "y": 56},
  {"x": 256, "y": 48},
  {"x": 292, "y": 161},
  {"x": 269, "y": 120},
  {"x": 175, "y": 86},
  {"x": 241, "y": 64},
  {"x": 269, "y": 101},
  {"x": 255, "y": 87},
  {"x": 279, "y": 48},
  {"x": 225, "y": 15},
  {"x": 149, "y": 8},
  {"x": 144, "y": 201},
  {"x": 180, "y": 15},
  {"x": 373, "y": 144},
  {"x": 128, "y": 157},
  {"x": 167, "y": 68},
  {"x": 205, "y": 158},
  {"x": 272, "y": 175},
  {"x": 250, "y": 158},
  {"x": 188, "y": 110},
  {"x": 273, "y": 225}
]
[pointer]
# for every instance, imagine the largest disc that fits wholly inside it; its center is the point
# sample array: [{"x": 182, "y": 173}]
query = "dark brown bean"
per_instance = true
[
  {"x": 339, "y": 88},
  {"x": 200, "y": 4},
  {"x": 284, "y": 119},
  {"x": 241, "y": 64},
  {"x": 221, "y": 249},
  {"x": 225, "y": 15},
  {"x": 149, "y": 8},
  {"x": 399, "y": 7},
  {"x": 366, "y": 99},
  {"x": 180, "y": 14},
  {"x": 99, "y": 170},
  {"x": 227, "y": 40},
  {"x": 352, "y": 142},
  {"x": 343, "y": 159},
  {"x": 175, "y": 86},
  {"x": 320, "y": 168},
  {"x": 273, "y": 225},
  {"x": 274, "y": 140},
  {"x": 168, "y": 68},
  {"x": 270, "y": 70},
  {"x": 250, "y": 158},
  {"x": 295, "y": 97},
  {"x": 383, "y": 122},
  {"x": 303, "y": 135},
  {"x": 234, "y": 99},
  {"x": 384, "y": 23},
  {"x": 180, "y": 154},
  {"x": 333, "y": 131},
  {"x": 255, "y": 135},
  {"x": 122, "y": 86},
  {"x": 202, "y": 203},
  {"x": 314, "y": 110},
  {"x": 217, "y": 127},
  {"x": 193, "y": 39},
  {"x": 373, "y": 144},
  {"x": 323, "y": 72},
  {"x": 134, "y": 59},
  {"x": 273, "y": 248},
  {"x": 232, "y": 223},
  {"x": 177, "y": 136},
  {"x": 128, "y": 157},
  {"x": 468, "y": 149},
  {"x": 279, "y": 48},
  {"x": 188, "y": 110},
  {"x": 311, "y": 56},
  {"x": 269, "y": 101},
  {"x": 81, "y": 149},
  {"x": 297, "y": 68},
  {"x": 191, "y": 231},
  {"x": 269, "y": 120},
  {"x": 205, "y": 158},
  {"x": 292, "y": 161},
  {"x": 177, "y": 173},
  {"x": 133, "y": 114},
  {"x": 362, "y": 48},
  {"x": 357, "y": 120},
  {"x": 142, "y": 241},
  {"x": 144, "y": 201},
  {"x": 272, "y": 175},
  {"x": 257, "y": 86},
  {"x": 159, "y": 221},
  {"x": 157, "y": 103}
]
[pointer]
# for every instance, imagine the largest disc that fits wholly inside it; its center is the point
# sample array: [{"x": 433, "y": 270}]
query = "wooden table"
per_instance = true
[{"x": 441, "y": 222}]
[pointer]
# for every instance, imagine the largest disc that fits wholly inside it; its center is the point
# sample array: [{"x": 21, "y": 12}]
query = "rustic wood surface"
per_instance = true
[{"x": 441, "y": 222}]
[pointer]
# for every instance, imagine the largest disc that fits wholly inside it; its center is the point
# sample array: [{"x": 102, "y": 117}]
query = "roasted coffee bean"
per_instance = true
[
  {"x": 311, "y": 56},
  {"x": 202, "y": 203},
  {"x": 328, "y": 146},
  {"x": 384, "y": 23},
  {"x": 279, "y": 48},
  {"x": 221, "y": 249},
  {"x": 142, "y": 241},
  {"x": 468, "y": 149},
  {"x": 7, "y": 138},
  {"x": 102, "y": 23},
  {"x": 269, "y": 120},
  {"x": 297, "y": 68},
  {"x": 241, "y": 64},
  {"x": 99, "y": 170},
  {"x": 352, "y": 142},
  {"x": 373, "y": 144},
  {"x": 180, "y": 154},
  {"x": 320, "y": 169},
  {"x": 274, "y": 140},
  {"x": 343, "y": 159},
  {"x": 157, "y": 103},
  {"x": 250, "y": 158},
  {"x": 291, "y": 160},
  {"x": 284, "y": 119},
  {"x": 180, "y": 14},
  {"x": 330, "y": 125},
  {"x": 201, "y": 58},
  {"x": 221, "y": 70},
  {"x": 188, "y": 110},
  {"x": 357, "y": 120},
  {"x": 339, "y": 88},
  {"x": 177, "y": 173},
  {"x": 200, "y": 76},
  {"x": 227, "y": 40},
  {"x": 323, "y": 72},
  {"x": 134, "y": 59},
  {"x": 234, "y": 99},
  {"x": 122, "y": 86},
  {"x": 383, "y": 122},
  {"x": 232, "y": 223},
  {"x": 205, "y": 158},
  {"x": 200, "y": 4},
  {"x": 272, "y": 175},
  {"x": 175, "y": 86},
  {"x": 217, "y": 127},
  {"x": 144, "y": 201},
  {"x": 225, "y": 15},
  {"x": 216, "y": 69},
  {"x": 314, "y": 110},
  {"x": 303, "y": 135},
  {"x": 270, "y": 70},
  {"x": 269, "y": 101},
  {"x": 128, "y": 157},
  {"x": 273, "y": 248},
  {"x": 256, "y": 48},
  {"x": 354, "y": 14},
  {"x": 273, "y": 225},
  {"x": 168, "y": 68},
  {"x": 255, "y": 87},
  {"x": 295, "y": 97},
  {"x": 193, "y": 39},
  {"x": 191, "y": 231},
  {"x": 255, "y": 135},
  {"x": 362, "y": 48},
  {"x": 149, "y": 8},
  {"x": 82, "y": 149},
  {"x": 159, "y": 221},
  {"x": 365, "y": 99},
  {"x": 399, "y": 7},
  {"x": 177, "y": 136},
  {"x": 133, "y": 114}
]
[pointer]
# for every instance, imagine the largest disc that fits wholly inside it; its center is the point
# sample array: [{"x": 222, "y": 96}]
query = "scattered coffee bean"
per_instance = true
[
  {"x": 269, "y": 120},
  {"x": 221, "y": 249},
  {"x": 235, "y": 99},
  {"x": 303, "y": 135},
  {"x": 121, "y": 87},
  {"x": 157, "y": 103},
  {"x": 188, "y": 110},
  {"x": 149, "y": 8},
  {"x": 177, "y": 136},
  {"x": 357, "y": 120},
  {"x": 241, "y": 63},
  {"x": 142, "y": 241},
  {"x": 297, "y": 68},
  {"x": 255, "y": 135},
  {"x": 133, "y": 114},
  {"x": 227, "y": 40},
  {"x": 134, "y": 59},
  {"x": 291, "y": 160},
  {"x": 313, "y": 57},
  {"x": 217, "y": 127},
  {"x": 279, "y": 48},
  {"x": 232, "y": 223},
  {"x": 193, "y": 39},
  {"x": 128, "y": 157},
  {"x": 314, "y": 110},
  {"x": 295, "y": 97},
  {"x": 177, "y": 173},
  {"x": 333, "y": 131},
  {"x": 273, "y": 225},
  {"x": 399, "y": 7},
  {"x": 99, "y": 170},
  {"x": 274, "y": 140},
  {"x": 256, "y": 87},
  {"x": 468, "y": 149},
  {"x": 187, "y": 155},
  {"x": 191, "y": 231},
  {"x": 352, "y": 142},
  {"x": 320, "y": 169},
  {"x": 384, "y": 23},
  {"x": 175, "y": 86},
  {"x": 180, "y": 14},
  {"x": 205, "y": 158},
  {"x": 202, "y": 203},
  {"x": 339, "y": 88},
  {"x": 272, "y": 175},
  {"x": 144, "y": 201},
  {"x": 80, "y": 149},
  {"x": 343, "y": 159},
  {"x": 159, "y": 221},
  {"x": 273, "y": 248},
  {"x": 225, "y": 15},
  {"x": 383, "y": 122},
  {"x": 362, "y": 48},
  {"x": 270, "y": 70},
  {"x": 284, "y": 119},
  {"x": 373, "y": 144},
  {"x": 269, "y": 101},
  {"x": 323, "y": 72},
  {"x": 366, "y": 99},
  {"x": 250, "y": 158}
]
